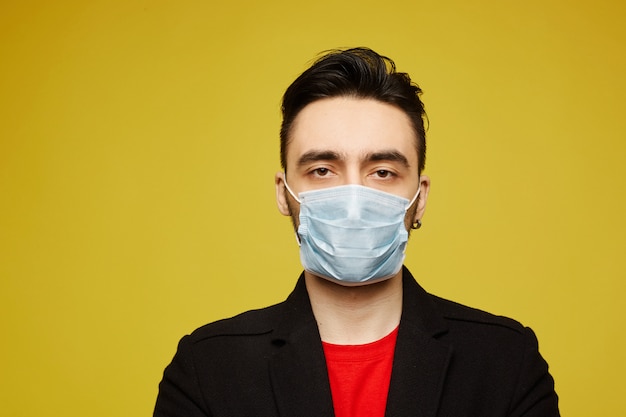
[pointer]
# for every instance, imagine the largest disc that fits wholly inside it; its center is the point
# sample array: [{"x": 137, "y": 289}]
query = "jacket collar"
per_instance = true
[
  {"x": 421, "y": 360},
  {"x": 298, "y": 368}
]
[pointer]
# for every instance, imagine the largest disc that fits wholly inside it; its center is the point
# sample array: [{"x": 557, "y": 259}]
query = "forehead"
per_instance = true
[{"x": 352, "y": 127}]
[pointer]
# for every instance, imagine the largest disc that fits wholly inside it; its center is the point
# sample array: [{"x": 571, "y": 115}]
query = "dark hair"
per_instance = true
[{"x": 360, "y": 73}]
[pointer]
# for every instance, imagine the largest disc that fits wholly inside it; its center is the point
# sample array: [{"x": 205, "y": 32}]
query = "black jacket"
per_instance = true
[{"x": 450, "y": 360}]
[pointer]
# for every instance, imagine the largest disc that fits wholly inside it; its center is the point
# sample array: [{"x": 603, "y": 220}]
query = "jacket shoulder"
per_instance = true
[
  {"x": 457, "y": 314},
  {"x": 249, "y": 323}
]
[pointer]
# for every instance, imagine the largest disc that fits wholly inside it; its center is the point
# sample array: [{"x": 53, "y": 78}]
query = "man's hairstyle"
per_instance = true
[{"x": 358, "y": 73}]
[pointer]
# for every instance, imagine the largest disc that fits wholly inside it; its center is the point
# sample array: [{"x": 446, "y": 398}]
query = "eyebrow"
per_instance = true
[
  {"x": 314, "y": 156},
  {"x": 392, "y": 156}
]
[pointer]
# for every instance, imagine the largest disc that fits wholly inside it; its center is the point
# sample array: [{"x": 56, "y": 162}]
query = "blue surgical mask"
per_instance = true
[{"x": 352, "y": 234}]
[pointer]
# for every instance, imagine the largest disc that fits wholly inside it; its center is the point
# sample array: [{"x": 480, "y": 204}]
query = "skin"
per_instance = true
[{"x": 345, "y": 140}]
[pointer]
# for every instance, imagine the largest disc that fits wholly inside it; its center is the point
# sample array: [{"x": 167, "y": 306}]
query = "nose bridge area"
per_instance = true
[{"x": 353, "y": 174}]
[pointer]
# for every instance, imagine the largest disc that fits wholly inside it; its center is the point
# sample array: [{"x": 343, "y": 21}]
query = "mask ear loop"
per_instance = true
[
  {"x": 419, "y": 188},
  {"x": 417, "y": 223},
  {"x": 289, "y": 189},
  {"x": 299, "y": 202}
]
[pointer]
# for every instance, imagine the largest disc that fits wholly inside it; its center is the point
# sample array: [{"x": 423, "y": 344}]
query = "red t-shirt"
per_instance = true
[{"x": 359, "y": 376}]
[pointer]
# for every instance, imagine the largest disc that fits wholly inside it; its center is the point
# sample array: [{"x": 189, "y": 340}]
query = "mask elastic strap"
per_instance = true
[
  {"x": 419, "y": 188},
  {"x": 289, "y": 189},
  {"x": 298, "y": 200}
]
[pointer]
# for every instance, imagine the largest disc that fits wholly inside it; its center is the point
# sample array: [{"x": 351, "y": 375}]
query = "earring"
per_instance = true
[{"x": 417, "y": 224}]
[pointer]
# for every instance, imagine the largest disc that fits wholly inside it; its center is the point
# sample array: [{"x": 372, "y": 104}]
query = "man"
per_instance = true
[{"x": 358, "y": 336}]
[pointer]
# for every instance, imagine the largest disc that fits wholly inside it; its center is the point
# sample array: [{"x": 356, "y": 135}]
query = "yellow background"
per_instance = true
[{"x": 138, "y": 143}]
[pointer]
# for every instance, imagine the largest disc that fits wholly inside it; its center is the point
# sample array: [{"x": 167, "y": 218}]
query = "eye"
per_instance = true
[
  {"x": 321, "y": 172},
  {"x": 383, "y": 173}
]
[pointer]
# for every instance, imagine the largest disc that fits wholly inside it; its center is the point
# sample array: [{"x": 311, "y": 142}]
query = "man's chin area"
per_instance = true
[{"x": 350, "y": 283}]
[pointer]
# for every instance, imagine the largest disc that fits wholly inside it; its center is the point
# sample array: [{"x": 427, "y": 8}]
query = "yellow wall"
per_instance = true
[{"x": 138, "y": 143}]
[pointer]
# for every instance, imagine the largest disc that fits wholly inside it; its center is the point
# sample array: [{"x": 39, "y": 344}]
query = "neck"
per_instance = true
[{"x": 352, "y": 315}]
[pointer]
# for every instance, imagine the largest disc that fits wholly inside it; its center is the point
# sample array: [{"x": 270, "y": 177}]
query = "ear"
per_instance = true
[
  {"x": 421, "y": 200},
  {"x": 281, "y": 194}
]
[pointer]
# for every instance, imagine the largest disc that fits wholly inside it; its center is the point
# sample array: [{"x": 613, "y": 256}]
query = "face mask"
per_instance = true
[{"x": 352, "y": 234}]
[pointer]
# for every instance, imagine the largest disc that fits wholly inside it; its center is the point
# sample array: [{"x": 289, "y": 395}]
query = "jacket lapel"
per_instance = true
[
  {"x": 298, "y": 369},
  {"x": 420, "y": 361}
]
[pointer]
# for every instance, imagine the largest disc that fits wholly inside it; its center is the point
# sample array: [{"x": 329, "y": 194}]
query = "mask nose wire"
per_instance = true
[{"x": 419, "y": 188}]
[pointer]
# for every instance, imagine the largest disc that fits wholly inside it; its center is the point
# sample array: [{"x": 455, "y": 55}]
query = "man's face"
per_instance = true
[{"x": 344, "y": 140}]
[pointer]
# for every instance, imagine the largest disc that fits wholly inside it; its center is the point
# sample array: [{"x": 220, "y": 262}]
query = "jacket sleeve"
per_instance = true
[
  {"x": 179, "y": 391},
  {"x": 534, "y": 394}
]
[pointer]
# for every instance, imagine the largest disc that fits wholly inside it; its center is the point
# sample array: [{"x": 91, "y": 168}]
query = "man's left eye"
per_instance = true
[
  {"x": 321, "y": 171},
  {"x": 382, "y": 173}
]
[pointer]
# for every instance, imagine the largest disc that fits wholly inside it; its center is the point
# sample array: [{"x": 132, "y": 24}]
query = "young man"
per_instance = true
[{"x": 358, "y": 336}]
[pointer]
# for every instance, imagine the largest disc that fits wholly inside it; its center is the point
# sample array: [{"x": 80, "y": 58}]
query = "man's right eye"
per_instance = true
[{"x": 320, "y": 171}]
